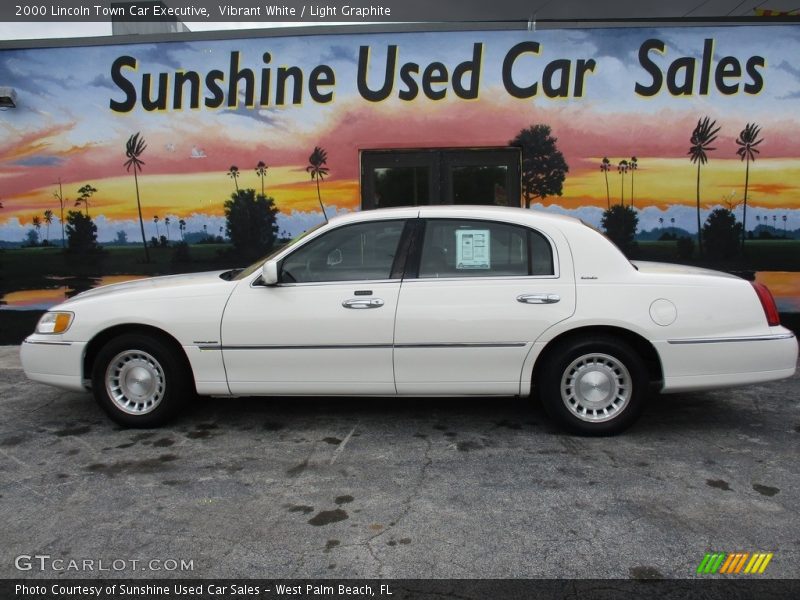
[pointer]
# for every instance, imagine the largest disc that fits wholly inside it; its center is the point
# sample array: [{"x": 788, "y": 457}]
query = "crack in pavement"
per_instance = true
[{"x": 427, "y": 461}]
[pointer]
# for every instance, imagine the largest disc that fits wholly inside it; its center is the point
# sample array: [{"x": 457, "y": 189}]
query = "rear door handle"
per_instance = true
[
  {"x": 359, "y": 303},
  {"x": 538, "y": 298}
]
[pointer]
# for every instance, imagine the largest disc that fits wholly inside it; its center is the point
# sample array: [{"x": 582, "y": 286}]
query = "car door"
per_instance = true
[
  {"x": 327, "y": 326},
  {"x": 481, "y": 294}
]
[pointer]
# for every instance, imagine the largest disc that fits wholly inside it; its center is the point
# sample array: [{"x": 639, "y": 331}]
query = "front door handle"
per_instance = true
[
  {"x": 359, "y": 303},
  {"x": 538, "y": 298}
]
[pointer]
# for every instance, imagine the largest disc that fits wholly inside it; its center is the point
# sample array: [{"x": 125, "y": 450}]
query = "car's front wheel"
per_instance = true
[
  {"x": 139, "y": 380},
  {"x": 593, "y": 386}
]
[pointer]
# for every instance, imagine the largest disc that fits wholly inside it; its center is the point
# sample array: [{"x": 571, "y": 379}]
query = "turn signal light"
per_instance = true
[{"x": 54, "y": 322}]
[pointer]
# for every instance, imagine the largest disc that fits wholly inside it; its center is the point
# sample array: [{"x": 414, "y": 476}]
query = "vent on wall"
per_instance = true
[{"x": 8, "y": 97}]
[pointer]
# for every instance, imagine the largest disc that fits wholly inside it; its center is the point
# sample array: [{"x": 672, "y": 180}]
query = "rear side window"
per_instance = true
[{"x": 464, "y": 248}]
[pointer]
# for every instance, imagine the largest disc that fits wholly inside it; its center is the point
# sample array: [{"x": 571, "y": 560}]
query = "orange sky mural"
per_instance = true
[{"x": 640, "y": 93}]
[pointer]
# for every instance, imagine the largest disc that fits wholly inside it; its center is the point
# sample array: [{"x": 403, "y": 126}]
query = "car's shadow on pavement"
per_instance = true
[
  {"x": 472, "y": 414},
  {"x": 663, "y": 413}
]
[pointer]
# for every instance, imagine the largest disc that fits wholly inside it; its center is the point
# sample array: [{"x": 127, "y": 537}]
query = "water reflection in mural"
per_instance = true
[
  {"x": 44, "y": 298},
  {"x": 785, "y": 287}
]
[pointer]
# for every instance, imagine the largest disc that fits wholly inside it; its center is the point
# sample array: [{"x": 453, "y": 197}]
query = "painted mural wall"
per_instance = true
[{"x": 203, "y": 106}]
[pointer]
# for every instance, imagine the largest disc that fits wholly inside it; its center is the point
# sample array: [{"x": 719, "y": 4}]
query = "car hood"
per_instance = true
[
  {"x": 672, "y": 269},
  {"x": 164, "y": 284}
]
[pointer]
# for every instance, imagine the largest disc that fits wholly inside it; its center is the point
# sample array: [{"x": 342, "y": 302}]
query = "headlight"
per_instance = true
[{"x": 54, "y": 322}]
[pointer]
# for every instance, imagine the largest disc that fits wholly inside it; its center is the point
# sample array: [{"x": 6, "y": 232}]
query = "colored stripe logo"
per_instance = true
[{"x": 734, "y": 563}]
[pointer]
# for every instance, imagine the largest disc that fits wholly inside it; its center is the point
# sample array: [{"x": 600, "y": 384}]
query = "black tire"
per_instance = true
[
  {"x": 141, "y": 363},
  {"x": 593, "y": 386}
]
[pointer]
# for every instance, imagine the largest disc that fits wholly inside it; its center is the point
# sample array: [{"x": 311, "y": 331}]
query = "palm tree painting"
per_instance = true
[
  {"x": 134, "y": 148},
  {"x": 261, "y": 171},
  {"x": 155, "y": 220},
  {"x": 316, "y": 167},
  {"x": 233, "y": 173},
  {"x": 166, "y": 224},
  {"x": 633, "y": 165},
  {"x": 703, "y": 136},
  {"x": 59, "y": 195},
  {"x": 37, "y": 223},
  {"x": 605, "y": 167},
  {"x": 48, "y": 220},
  {"x": 84, "y": 194},
  {"x": 181, "y": 227},
  {"x": 622, "y": 168},
  {"x": 747, "y": 142}
]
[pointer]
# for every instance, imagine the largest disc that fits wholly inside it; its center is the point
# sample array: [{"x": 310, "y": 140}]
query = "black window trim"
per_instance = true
[
  {"x": 409, "y": 255},
  {"x": 415, "y": 253},
  {"x": 395, "y": 273},
  {"x": 408, "y": 243}
]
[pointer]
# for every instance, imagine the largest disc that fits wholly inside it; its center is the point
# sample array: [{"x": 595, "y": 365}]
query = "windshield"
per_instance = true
[{"x": 257, "y": 265}]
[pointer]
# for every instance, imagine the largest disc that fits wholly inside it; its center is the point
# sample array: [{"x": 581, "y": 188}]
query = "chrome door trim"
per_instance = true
[
  {"x": 304, "y": 347},
  {"x": 464, "y": 345},
  {"x": 725, "y": 340},
  {"x": 371, "y": 346}
]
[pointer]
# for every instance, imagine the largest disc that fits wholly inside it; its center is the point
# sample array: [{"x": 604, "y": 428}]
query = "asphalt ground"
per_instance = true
[{"x": 396, "y": 488}]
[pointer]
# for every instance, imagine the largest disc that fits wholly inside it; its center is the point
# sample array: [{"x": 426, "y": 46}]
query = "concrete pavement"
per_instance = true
[{"x": 432, "y": 488}]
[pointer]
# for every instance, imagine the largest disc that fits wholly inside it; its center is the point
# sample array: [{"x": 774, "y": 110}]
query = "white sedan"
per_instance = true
[{"x": 432, "y": 301}]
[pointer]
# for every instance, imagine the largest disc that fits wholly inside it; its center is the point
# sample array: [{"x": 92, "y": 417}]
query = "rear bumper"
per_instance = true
[
  {"x": 53, "y": 362},
  {"x": 707, "y": 363}
]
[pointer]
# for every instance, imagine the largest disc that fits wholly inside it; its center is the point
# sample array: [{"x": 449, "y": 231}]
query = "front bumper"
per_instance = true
[{"x": 54, "y": 362}]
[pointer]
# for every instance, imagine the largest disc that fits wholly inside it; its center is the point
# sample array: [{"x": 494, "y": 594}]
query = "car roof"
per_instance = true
[{"x": 502, "y": 213}]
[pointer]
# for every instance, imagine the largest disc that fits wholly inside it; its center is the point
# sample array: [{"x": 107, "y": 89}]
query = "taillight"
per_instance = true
[{"x": 767, "y": 303}]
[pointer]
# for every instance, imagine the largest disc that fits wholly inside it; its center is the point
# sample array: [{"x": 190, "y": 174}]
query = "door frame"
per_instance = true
[
  {"x": 439, "y": 161},
  {"x": 384, "y": 159}
]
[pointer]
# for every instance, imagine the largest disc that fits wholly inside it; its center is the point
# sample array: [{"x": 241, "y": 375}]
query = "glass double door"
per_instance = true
[{"x": 391, "y": 178}]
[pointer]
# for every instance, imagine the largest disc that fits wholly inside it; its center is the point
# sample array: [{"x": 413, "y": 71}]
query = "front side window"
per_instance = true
[
  {"x": 359, "y": 252},
  {"x": 462, "y": 248}
]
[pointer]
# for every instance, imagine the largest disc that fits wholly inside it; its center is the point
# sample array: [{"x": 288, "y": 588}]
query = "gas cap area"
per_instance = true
[{"x": 663, "y": 312}]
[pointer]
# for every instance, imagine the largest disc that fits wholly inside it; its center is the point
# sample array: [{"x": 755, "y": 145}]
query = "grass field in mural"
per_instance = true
[{"x": 681, "y": 143}]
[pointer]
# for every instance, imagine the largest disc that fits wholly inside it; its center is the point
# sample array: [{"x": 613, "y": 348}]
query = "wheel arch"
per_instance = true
[
  {"x": 103, "y": 337},
  {"x": 639, "y": 343}
]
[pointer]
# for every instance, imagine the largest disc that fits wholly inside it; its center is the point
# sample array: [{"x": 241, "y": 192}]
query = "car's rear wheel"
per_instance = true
[
  {"x": 593, "y": 386},
  {"x": 139, "y": 380}
]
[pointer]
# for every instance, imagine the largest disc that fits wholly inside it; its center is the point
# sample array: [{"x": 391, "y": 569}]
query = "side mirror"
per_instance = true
[{"x": 269, "y": 273}]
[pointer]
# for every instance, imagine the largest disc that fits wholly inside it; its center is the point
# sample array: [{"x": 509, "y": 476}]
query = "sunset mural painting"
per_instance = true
[{"x": 631, "y": 100}]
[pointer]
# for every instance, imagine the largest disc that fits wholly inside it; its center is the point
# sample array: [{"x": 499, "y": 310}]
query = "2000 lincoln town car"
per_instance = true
[{"x": 432, "y": 301}]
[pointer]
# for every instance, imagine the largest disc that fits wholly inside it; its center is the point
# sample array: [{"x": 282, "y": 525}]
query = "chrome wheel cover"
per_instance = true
[
  {"x": 596, "y": 387},
  {"x": 135, "y": 382}
]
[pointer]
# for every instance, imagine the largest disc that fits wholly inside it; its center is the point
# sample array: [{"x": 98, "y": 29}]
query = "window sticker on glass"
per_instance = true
[{"x": 472, "y": 249}]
